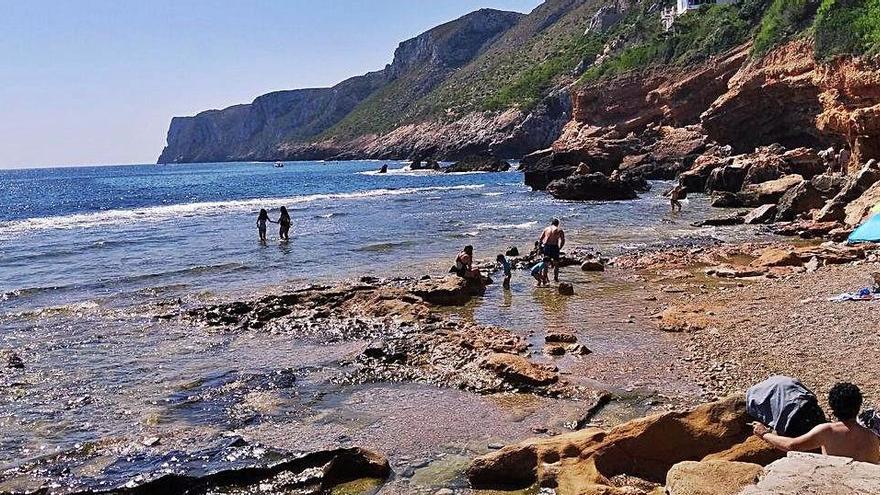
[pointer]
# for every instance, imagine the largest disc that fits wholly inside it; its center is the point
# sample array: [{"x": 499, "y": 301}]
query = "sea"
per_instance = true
[
  {"x": 90, "y": 255},
  {"x": 116, "y": 233}
]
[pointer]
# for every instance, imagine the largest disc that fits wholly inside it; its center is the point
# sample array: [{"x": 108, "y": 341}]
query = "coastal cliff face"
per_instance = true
[
  {"x": 491, "y": 81},
  {"x": 257, "y": 130}
]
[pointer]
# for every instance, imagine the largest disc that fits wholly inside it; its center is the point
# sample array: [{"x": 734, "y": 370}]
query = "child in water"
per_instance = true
[
  {"x": 505, "y": 265},
  {"x": 284, "y": 225},
  {"x": 539, "y": 271},
  {"x": 261, "y": 223}
]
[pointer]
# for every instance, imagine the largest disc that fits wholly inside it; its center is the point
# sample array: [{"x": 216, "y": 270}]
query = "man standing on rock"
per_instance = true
[{"x": 552, "y": 241}]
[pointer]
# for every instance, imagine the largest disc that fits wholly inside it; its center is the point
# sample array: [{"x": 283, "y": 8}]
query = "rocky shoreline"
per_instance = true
[{"x": 710, "y": 302}]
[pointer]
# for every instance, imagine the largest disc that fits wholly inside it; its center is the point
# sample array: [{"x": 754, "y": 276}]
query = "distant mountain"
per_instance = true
[{"x": 259, "y": 130}]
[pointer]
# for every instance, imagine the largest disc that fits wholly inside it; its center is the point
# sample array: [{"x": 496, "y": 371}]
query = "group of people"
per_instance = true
[
  {"x": 790, "y": 419},
  {"x": 548, "y": 250},
  {"x": 836, "y": 161},
  {"x": 283, "y": 224}
]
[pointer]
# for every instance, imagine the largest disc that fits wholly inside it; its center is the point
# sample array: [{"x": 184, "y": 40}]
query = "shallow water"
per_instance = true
[{"x": 89, "y": 257}]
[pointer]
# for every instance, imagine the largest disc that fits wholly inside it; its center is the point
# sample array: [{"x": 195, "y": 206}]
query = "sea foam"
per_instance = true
[{"x": 153, "y": 214}]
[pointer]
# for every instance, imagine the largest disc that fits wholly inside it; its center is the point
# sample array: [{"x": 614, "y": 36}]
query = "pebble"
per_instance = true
[{"x": 496, "y": 446}]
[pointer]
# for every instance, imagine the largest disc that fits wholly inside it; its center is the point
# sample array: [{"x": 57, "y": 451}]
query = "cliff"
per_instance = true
[{"x": 259, "y": 130}]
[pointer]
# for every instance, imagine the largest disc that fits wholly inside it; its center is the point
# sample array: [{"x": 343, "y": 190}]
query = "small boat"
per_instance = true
[{"x": 279, "y": 165}]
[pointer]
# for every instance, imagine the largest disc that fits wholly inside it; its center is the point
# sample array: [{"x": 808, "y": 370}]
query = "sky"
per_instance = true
[{"x": 95, "y": 82}]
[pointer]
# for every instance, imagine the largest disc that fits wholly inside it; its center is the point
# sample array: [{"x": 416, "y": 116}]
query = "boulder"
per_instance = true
[
  {"x": 519, "y": 370},
  {"x": 805, "y": 162},
  {"x": 731, "y": 271},
  {"x": 711, "y": 477},
  {"x": 585, "y": 461},
  {"x": 447, "y": 291},
  {"x": 556, "y": 337},
  {"x": 479, "y": 163},
  {"x": 352, "y": 464},
  {"x": 512, "y": 251},
  {"x": 724, "y": 199},
  {"x": 777, "y": 257},
  {"x": 592, "y": 187},
  {"x": 721, "y": 221},
  {"x": 768, "y": 192},
  {"x": 593, "y": 265},
  {"x": 860, "y": 208},
  {"x": 801, "y": 198},
  {"x": 829, "y": 184},
  {"x": 728, "y": 178},
  {"x": 543, "y": 167},
  {"x": 384, "y": 169},
  {"x": 566, "y": 289},
  {"x": 761, "y": 214},
  {"x": 803, "y": 473},
  {"x": 855, "y": 186},
  {"x": 582, "y": 169}
]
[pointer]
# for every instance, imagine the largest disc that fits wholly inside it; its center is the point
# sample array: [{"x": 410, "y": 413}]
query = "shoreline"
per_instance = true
[{"x": 401, "y": 337}]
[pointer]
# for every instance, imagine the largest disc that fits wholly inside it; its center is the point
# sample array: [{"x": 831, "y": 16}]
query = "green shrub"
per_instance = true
[
  {"x": 695, "y": 36},
  {"x": 847, "y": 27},
  {"x": 783, "y": 20}
]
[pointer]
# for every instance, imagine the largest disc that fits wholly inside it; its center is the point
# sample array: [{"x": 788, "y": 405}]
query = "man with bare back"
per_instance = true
[{"x": 552, "y": 241}]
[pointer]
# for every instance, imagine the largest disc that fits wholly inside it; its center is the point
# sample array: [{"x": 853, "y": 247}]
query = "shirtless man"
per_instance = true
[
  {"x": 844, "y": 438},
  {"x": 675, "y": 196},
  {"x": 552, "y": 241}
]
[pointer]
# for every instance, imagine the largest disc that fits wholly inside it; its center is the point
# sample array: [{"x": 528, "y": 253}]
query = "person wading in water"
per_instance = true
[
  {"x": 552, "y": 241},
  {"x": 284, "y": 225}
]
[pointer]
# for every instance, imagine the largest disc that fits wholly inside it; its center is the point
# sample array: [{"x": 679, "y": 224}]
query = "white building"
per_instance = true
[
  {"x": 668, "y": 15},
  {"x": 683, "y": 6}
]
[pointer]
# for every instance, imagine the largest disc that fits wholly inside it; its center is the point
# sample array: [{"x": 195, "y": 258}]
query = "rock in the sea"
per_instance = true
[
  {"x": 512, "y": 251},
  {"x": 711, "y": 477},
  {"x": 762, "y": 214},
  {"x": 584, "y": 461},
  {"x": 479, "y": 163},
  {"x": 11, "y": 359},
  {"x": 384, "y": 169},
  {"x": 560, "y": 337},
  {"x": 519, "y": 370},
  {"x": 566, "y": 289},
  {"x": 354, "y": 463},
  {"x": 724, "y": 199},
  {"x": 721, "y": 221},
  {"x": 448, "y": 291},
  {"x": 593, "y": 265},
  {"x": 803, "y": 473},
  {"x": 591, "y": 187}
]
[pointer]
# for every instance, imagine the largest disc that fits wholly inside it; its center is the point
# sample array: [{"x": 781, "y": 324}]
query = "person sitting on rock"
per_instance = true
[
  {"x": 505, "y": 265},
  {"x": 845, "y": 437},
  {"x": 464, "y": 264},
  {"x": 539, "y": 271}
]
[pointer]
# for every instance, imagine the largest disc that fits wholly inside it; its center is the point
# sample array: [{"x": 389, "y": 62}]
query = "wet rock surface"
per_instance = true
[
  {"x": 409, "y": 340},
  {"x": 232, "y": 465}
]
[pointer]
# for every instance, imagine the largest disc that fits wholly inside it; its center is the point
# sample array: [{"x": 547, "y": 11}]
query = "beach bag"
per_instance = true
[{"x": 785, "y": 405}]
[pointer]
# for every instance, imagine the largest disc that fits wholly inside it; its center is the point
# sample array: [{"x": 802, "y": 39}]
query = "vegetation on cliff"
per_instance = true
[{"x": 838, "y": 27}]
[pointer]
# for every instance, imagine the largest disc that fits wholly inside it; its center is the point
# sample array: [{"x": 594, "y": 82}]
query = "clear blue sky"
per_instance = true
[{"x": 97, "y": 82}]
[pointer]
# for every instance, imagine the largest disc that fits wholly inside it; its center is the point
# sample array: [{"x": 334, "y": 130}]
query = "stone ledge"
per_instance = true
[{"x": 804, "y": 474}]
